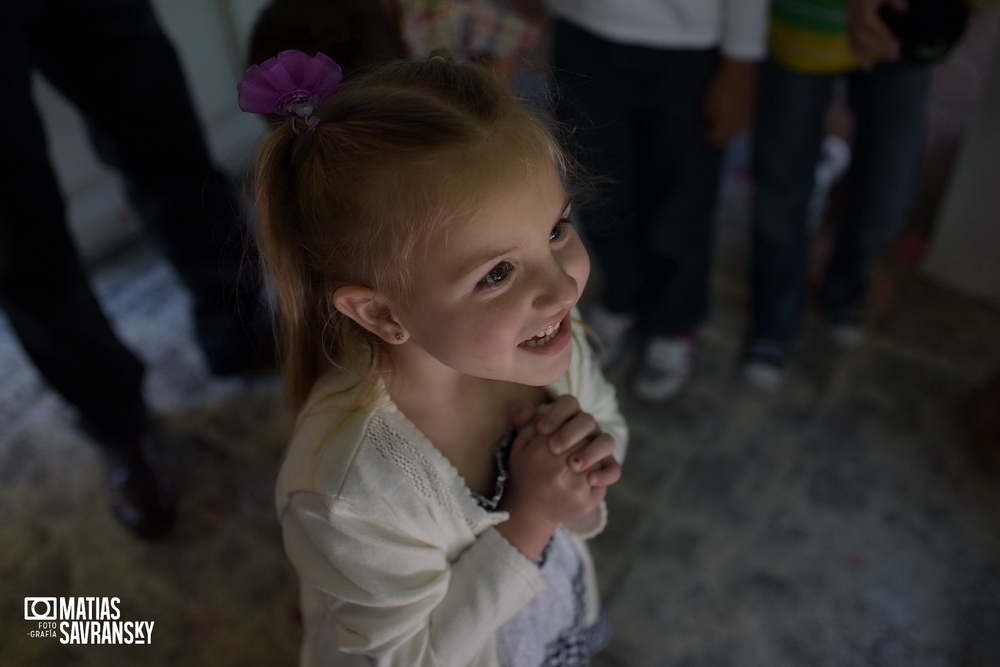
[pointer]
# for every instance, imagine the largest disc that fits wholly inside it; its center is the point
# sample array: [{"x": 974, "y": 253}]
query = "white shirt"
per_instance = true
[{"x": 737, "y": 27}]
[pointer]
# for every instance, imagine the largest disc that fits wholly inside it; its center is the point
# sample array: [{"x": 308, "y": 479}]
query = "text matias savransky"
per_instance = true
[{"x": 85, "y": 620}]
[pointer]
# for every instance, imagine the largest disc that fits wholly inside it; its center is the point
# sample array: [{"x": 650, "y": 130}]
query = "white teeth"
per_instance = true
[{"x": 544, "y": 337}]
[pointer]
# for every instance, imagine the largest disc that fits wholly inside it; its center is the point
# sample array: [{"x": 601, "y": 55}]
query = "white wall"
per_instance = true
[
  {"x": 965, "y": 251},
  {"x": 210, "y": 37}
]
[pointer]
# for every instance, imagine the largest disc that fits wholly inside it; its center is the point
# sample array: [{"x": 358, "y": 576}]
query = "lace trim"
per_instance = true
[
  {"x": 501, "y": 452},
  {"x": 394, "y": 447}
]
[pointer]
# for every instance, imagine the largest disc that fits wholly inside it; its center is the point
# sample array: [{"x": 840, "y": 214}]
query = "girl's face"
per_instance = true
[{"x": 492, "y": 297}]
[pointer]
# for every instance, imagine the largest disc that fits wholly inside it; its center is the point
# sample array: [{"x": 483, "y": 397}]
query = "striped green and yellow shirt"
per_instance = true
[{"x": 810, "y": 36}]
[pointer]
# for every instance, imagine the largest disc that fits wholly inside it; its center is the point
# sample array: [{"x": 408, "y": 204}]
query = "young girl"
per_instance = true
[{"x": 455, "y": 438}]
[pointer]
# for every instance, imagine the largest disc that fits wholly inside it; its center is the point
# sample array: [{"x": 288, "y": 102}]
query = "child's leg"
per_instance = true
[
  {"x": 680, "y": 176},
  {"x": 788, "y": 137},
  {"x": 594, "y": 100},
  {"x": 134, "y": 97},
  {"x": 44, "y": 288},
  {"x": 889, "y": 104}
]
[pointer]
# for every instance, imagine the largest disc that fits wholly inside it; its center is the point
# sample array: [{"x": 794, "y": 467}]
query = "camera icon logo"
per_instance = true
[{"x": 40, "y": 609}]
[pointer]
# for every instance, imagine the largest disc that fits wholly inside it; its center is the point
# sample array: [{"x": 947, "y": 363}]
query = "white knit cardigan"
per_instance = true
[{"x": 398, "y": 563}]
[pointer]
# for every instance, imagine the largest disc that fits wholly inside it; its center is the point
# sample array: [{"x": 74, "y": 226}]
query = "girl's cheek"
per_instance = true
[{"x": 581, "y": 262}]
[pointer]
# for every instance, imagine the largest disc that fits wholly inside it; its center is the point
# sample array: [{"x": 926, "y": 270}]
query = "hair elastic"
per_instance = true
[
  {"x": 290, "y": 83},
  {"x": 440, "y": 56}
]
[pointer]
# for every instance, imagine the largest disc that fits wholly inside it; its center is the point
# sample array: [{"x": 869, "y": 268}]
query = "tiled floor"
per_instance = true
[{"x": 837, "y": 522}]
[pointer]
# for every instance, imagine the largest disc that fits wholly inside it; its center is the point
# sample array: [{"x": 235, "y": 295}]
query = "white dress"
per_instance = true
[{"x": 551, "y": 630}]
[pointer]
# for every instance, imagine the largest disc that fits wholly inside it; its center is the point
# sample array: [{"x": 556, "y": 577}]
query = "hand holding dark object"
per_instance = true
[
  {"x": 870, "y": 36},
  {"x": 926, "y": 30},
  {"x": 915, "y": 31}
]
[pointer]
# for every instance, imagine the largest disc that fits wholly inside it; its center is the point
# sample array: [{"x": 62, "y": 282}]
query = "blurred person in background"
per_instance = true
[
  {"x": 653, "y": 91},
  {"x": 112, "y": 61},
  {"x": 882, "y": 50}
]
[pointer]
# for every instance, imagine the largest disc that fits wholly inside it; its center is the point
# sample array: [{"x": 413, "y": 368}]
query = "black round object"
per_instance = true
[{"x": 929, "y": 29}]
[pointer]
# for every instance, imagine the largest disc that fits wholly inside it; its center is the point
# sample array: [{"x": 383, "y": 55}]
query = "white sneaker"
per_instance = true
[
  {"x": 835, "y": 158},
  {"x": 666, "y": 367},
  {"x": 612, "y": 331},
  {"x": 847, "y": 329},
  {"x": 764, "y": 365}
]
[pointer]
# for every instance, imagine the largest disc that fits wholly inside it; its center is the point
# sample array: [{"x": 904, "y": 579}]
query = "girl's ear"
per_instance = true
[{"x": 361, "y": 305}]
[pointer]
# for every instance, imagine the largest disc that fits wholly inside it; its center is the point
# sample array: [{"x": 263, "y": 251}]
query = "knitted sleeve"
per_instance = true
[{"x": 395, "y": 598}]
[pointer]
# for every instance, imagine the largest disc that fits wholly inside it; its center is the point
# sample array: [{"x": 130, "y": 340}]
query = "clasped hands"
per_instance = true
[{"x": 561, "y": 464}]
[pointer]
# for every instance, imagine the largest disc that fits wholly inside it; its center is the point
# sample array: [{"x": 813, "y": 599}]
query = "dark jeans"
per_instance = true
[
  {"x": 112, "y": 61},
  {"x": 637, "y": 119},
  {"x": 888, "y": 106}
]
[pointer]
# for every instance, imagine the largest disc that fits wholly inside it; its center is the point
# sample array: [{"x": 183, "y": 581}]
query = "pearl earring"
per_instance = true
[{"x": 400, "y": 336}]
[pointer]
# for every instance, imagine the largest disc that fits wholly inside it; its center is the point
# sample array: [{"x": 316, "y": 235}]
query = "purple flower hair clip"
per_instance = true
[{"x": 290, "y": 83}]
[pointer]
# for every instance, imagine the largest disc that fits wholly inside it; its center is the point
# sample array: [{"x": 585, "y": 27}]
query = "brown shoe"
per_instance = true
[{"x": 138, "y": 489}]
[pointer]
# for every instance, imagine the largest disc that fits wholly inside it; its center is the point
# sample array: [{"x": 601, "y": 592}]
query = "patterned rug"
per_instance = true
[{"x": 219, "y": 590}]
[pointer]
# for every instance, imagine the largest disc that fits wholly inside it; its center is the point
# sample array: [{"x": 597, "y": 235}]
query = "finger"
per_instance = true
[
  {"x": 573, "y": 433},
  {"x": 524, "y": 436},
  {"x": 598, "y": 493},
  {"x": 868, "y": 51},
  {"x": 558, "y": 411},
  {"x": 521, "y": 413},
  {"x": 607, "y": 474},
  {"x": 865, "y": 62},
  {"x": 528, "y": 431},
  {"x": 591, "y": 453},
  {"x": 873, "y": 41}
]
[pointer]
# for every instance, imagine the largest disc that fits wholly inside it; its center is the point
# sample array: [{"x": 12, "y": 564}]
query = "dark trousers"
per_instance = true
[
  {"x": 636, "y": 114},
  {"x": 113, "y": 62},
  {"x": 888, "y": 103}
]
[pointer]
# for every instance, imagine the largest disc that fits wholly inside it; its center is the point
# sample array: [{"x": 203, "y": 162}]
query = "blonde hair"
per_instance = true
[{"x": 399, "y": 151}]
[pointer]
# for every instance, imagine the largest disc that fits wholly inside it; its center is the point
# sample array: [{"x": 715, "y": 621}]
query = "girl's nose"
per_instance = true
[{"x": 558, "y": 291}]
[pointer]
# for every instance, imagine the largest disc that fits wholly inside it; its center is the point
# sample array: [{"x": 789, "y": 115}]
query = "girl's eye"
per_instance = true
[
  {"x": 559, "y": 230},
  {"x": 556, "y": 232},
  {"x": 497, "y": 275}
]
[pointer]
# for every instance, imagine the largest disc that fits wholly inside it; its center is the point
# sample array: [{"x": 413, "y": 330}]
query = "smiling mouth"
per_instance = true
[{"x": 543, "y": 337}]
